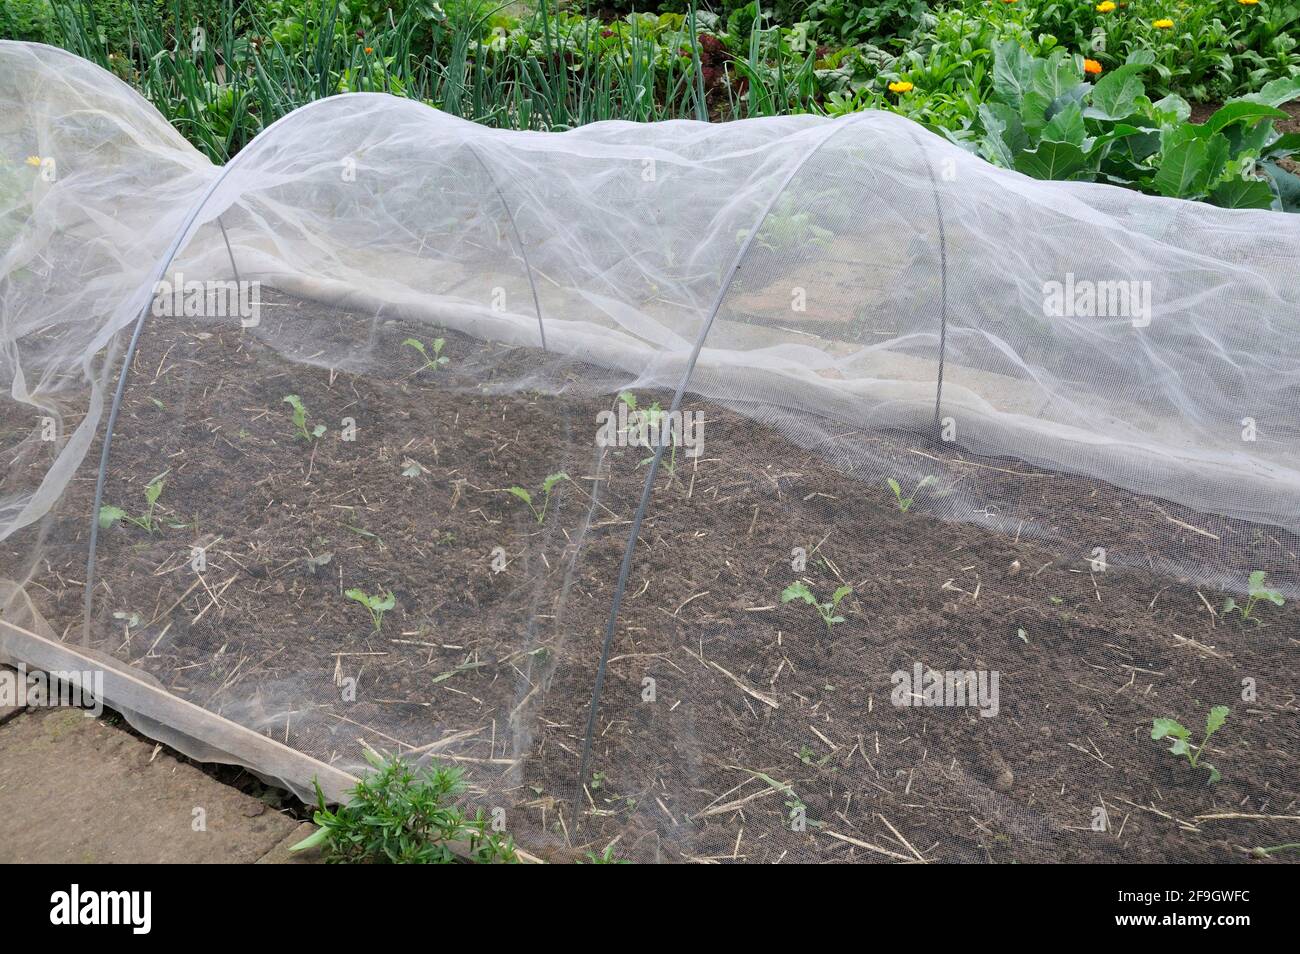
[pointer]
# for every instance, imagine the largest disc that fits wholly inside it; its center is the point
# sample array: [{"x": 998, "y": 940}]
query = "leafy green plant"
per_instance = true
[
  {"x": 905, "y": 503},
  {"x": 1182, "y": 738},
  {"x": 26, "y": 20},
  {"x": 547, "y": 486},
  {"x": 1206, "y": 51},
  {"x": 853, "y": 21},
  {"x": 1044, "y": 120},
  {"x": 798, "y": 590},
  {"x": 110, "y": 515},
  {"x": 1256, "y": 591},
  {"x": 430, "y": 363},
  {"x": 378, "y": 605},
  {"x": 300, "y": 419},
  {"x": 399, "y": 816}
]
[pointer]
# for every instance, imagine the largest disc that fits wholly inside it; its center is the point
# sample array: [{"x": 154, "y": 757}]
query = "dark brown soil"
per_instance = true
[{"x": 758, "y": 707}]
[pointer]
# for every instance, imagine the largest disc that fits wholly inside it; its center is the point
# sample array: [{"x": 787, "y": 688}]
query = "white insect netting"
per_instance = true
[{"x": 857, "y": 293}]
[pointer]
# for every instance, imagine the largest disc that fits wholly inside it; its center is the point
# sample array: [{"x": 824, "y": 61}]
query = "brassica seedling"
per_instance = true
[
  {"x": 1258, "y": 591},
  {"x": 1182, "y": 737},
  {"x": 799, "y": 591},
  {"x": 651, "y": 416},
  {"x": 377, "y": 604},
  {"x": 905, "y": 503},
  {"x": 430, "y": 363},
  {"x": 110, "y": 515},
  {"x": 547, "y": 486},
  {"x": 300, "y": 419}
]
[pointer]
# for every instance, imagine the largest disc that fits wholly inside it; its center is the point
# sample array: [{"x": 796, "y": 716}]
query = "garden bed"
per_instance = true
[{"x": 758, "y": 706}]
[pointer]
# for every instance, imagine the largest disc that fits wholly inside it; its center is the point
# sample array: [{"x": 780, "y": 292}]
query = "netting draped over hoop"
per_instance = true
[{"x": 823, "y": 278}]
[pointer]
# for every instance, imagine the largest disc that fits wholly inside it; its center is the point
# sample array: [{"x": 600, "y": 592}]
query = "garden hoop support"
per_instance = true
[
  {"x": 519, "y": 240},
  {"x": 943, "y": 283},
  {"x": 647, "y": 490},
  {"x": 163, "y": 264},
  {"x": 226, "y": 238}
]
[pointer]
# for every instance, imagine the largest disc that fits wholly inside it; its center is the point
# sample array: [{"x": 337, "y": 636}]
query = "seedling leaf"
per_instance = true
[
  {"x": 1214, "y": 721},
  {"x": 797, "y": 591}
]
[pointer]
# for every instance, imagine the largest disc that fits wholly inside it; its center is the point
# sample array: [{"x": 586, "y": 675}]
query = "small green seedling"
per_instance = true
[
  {"x": 1258, "y": 591},
  {"x": 905, "y": 503},
  {"x": 652, "y": 416},
  {"x": 377, "y": 604},
  {"x": 430, "y": 363},
  {"x": 799, "y": 591},
  {"x": 606, "y": 857},
  {"x": 1182, "y": 737},
  {"x": 300, "y": 419},
  {"x": 110, "y": 515},
  {"x": 547, "y": 486}
]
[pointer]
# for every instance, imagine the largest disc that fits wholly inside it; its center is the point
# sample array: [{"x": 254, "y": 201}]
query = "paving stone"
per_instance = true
[{"x": 74, "y": 789}]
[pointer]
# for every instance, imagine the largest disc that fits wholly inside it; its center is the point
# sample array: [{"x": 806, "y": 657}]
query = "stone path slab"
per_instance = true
[{"x": 74, "y": 789}]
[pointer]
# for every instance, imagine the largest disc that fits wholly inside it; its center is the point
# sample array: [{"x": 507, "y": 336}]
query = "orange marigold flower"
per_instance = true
[
  {"x": 1091, "y": 67},
  {"x": 369, "y": 50}
]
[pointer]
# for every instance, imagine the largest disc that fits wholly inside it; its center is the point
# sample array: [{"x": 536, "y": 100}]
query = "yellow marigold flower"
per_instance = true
[
  {"x": 33, "y": 160},
  {"x": 1106, "y": 6},
  {"x": 1248, "y": 3},
  {"x": 1091, "y": 67},
  {"x": 900, "y": 86},
  {"x": 1163, "y": 24}
]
